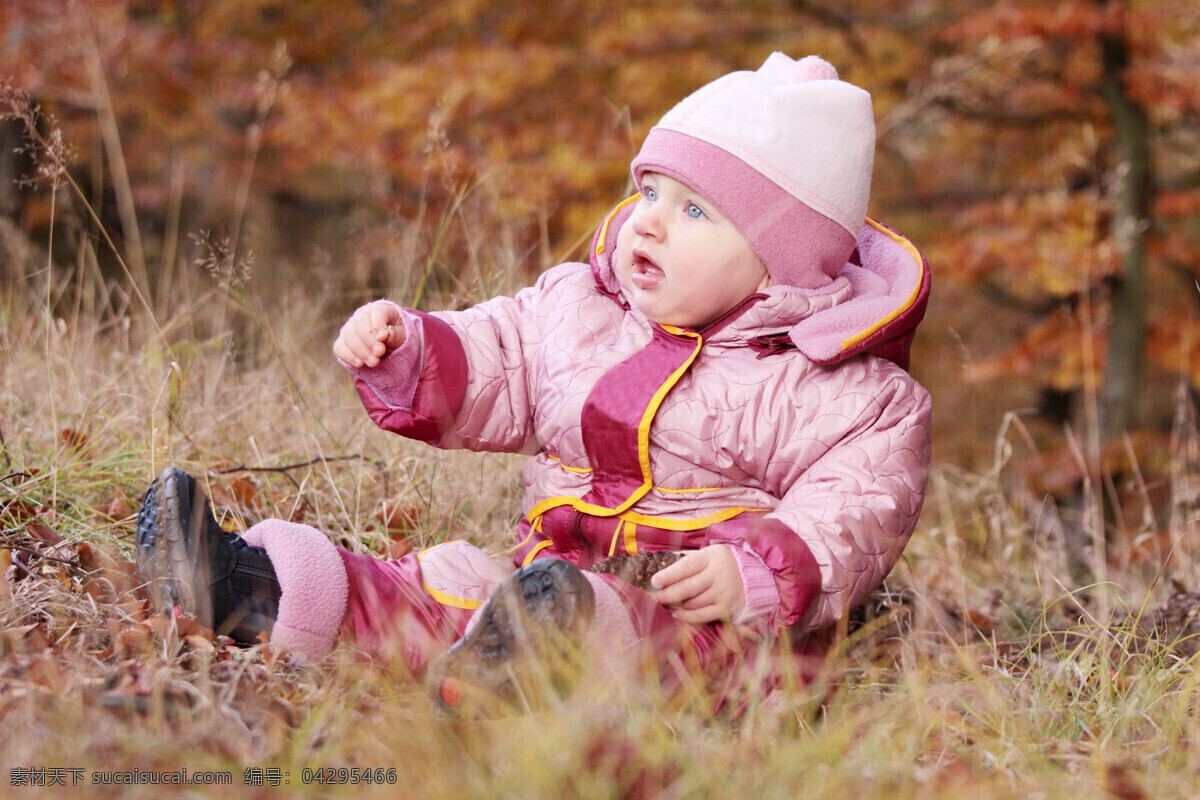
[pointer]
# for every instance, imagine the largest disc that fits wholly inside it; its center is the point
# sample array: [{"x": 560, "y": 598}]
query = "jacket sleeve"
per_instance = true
[
  {"x": 474, "y": 373},
  {"x": 851, "y": 480}
]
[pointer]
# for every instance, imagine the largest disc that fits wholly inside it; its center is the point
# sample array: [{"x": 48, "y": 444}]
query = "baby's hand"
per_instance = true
[
  {"x": 703, "y": 586},
  {"x": 375, "y": 330}
]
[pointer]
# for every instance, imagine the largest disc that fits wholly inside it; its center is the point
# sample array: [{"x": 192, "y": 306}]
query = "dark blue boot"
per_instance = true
[{"x": 190, "y": 562}]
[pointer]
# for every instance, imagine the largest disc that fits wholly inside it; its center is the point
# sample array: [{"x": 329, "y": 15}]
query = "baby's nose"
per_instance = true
[{"x": 646, "y": 220}]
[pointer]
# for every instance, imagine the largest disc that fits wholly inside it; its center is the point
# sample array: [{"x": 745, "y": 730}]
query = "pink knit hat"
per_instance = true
[{"x": 785, "y": 153}]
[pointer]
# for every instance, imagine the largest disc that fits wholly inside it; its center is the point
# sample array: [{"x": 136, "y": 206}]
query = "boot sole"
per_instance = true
[
  {"x": 167, "y": 550},
  {"x": 536, "y": 615}
]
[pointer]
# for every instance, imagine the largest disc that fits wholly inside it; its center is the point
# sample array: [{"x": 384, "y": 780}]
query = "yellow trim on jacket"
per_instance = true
[
  {"x": 448, "y": 599},
  {"x": 643, "y": 444},
  {"x": 912, "y": 298},
  {"x": 604, "y": 227},
  {"x": 589, "y": 470}
]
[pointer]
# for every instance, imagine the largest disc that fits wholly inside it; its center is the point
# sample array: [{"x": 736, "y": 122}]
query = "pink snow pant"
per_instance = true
[{"x": 407, "y": 612}]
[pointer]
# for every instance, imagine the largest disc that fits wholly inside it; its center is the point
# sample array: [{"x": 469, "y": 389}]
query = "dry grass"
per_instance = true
[{"x": 1004, "y": 660}]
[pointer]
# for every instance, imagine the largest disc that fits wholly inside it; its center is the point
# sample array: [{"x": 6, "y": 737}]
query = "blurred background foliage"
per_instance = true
[{"x": 1044, "y": 156}]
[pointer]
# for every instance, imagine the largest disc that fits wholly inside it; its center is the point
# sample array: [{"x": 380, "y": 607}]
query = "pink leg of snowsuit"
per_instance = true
[{"x": 411, "y": 610}]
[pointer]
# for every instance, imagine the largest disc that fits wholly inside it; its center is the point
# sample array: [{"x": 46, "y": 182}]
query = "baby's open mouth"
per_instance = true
[{"x": 646, "y": 274}]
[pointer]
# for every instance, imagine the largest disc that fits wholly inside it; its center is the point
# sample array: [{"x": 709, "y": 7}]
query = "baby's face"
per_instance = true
[{"x": 680, "y": 261}]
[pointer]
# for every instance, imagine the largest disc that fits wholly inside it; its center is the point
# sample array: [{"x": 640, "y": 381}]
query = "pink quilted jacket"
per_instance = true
[{"x": 776, "y": 429}]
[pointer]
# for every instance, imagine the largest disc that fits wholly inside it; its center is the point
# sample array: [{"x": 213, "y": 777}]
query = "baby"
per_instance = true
[{"x": 726, "y": 378}]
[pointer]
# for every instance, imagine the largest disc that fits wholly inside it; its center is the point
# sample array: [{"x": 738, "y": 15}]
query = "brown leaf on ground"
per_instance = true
[
  {"x": 247, "y": 490},
  {"x": 94, "y": 559},
  {"x": 399, "y": 547},
  {"x": 179, "y": 626},
  {"x": 129, "y": 639},
  {"x": 221, "y": 497},
  {"x": 398, "y": 520},
  {"x": 45, "y": 672},
  {"x": 397, "y": 517},
  {"x": 188, "y": 626},
  {"x": 136, "y": 608},
  {"x": 1121, "y": 783},
  {"x": 73, "y": 439},
  {"x": 106, "y": 578},
  {"x": 19, "y": 509},
  {"x": 26, "y": 638},
  {"x": 5, "y": 563},
  {"x": 118, "y": 507},
  {"x": 200, "y": 643},
  {"x": 43, "y": 533},
  {"x": 981, "y": 619},
  {"x": 301, "y": 508},
  {"x": 242, "y": 495},
  {"x": 158, "y": 625}
]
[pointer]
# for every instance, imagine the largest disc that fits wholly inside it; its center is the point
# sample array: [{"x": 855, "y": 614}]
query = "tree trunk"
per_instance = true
[{"x": 1134, "y": 195}]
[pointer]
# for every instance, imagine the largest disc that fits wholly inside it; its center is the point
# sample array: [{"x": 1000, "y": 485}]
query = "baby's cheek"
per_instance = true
[{"x": 623, "y": 257}]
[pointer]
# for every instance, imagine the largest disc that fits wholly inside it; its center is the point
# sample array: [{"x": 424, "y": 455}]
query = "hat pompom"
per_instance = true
[
  {"x": 810, "y": 68},
  {"x": 814, "y": 68}
]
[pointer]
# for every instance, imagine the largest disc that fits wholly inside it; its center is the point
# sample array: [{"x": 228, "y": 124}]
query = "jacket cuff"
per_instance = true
[
  {"x": 394, "y": 381},
  {"x": 758, "y": 585},
  {"x": 440, "y": 386},
  {"x": 793, "y": 566}
]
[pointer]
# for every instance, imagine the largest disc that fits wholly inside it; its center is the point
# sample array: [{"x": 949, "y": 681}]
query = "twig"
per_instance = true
[
  {"x": 33, "y": 551},
  {"x": 298, "y": 465}
]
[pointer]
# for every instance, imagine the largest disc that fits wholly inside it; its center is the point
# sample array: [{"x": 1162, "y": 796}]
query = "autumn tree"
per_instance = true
[
  {"x": 1063, "y": 112},
  {"x": 390, "y": 105}
]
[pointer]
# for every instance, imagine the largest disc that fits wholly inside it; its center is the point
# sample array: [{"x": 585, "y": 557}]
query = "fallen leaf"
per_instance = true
[
  {"x": 118, "y": 507},
  {"x": 399, "y": 520},
  {"x": 248, "y": 491},
  {"x": 177, "y": 625},
  {"x": 107, "y": 579},
  {"x": 242, "y": 495},
  {"x": 45, "y": 672},
  {"x": 157, "y": 624},
  {"x": 399, "y": 517},
  {"x": 73, "y": 439},
  {"x": 399, "y": 547},
  {"x": 200, "y": 643},
  {"x": 221, "y": 497},
  {"x": 1121, "y": 783},
  {"x": 300, "y": 510},
  {"x": 189, "y": 626},
  {"x": 131, "y": 639},
  {"x": 43, "y": 533},
  {"x": 136, "y": 608},
  {"x": 27, "y": 638},
  {"x": 93, "y": 559},
  {"x": 981, "y": 619},
  {"x": 19, "y": 509},
  {"x": 5, "y": 563}
]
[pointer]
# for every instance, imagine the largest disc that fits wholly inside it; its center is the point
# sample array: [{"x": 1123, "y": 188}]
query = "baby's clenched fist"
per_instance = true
[{"x": 371, "y": 333}]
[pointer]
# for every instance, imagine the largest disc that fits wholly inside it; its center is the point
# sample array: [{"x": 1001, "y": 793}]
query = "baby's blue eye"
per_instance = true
[
  {"x": 694, "y": 211},
  {"x": 649, "y": 193}
]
